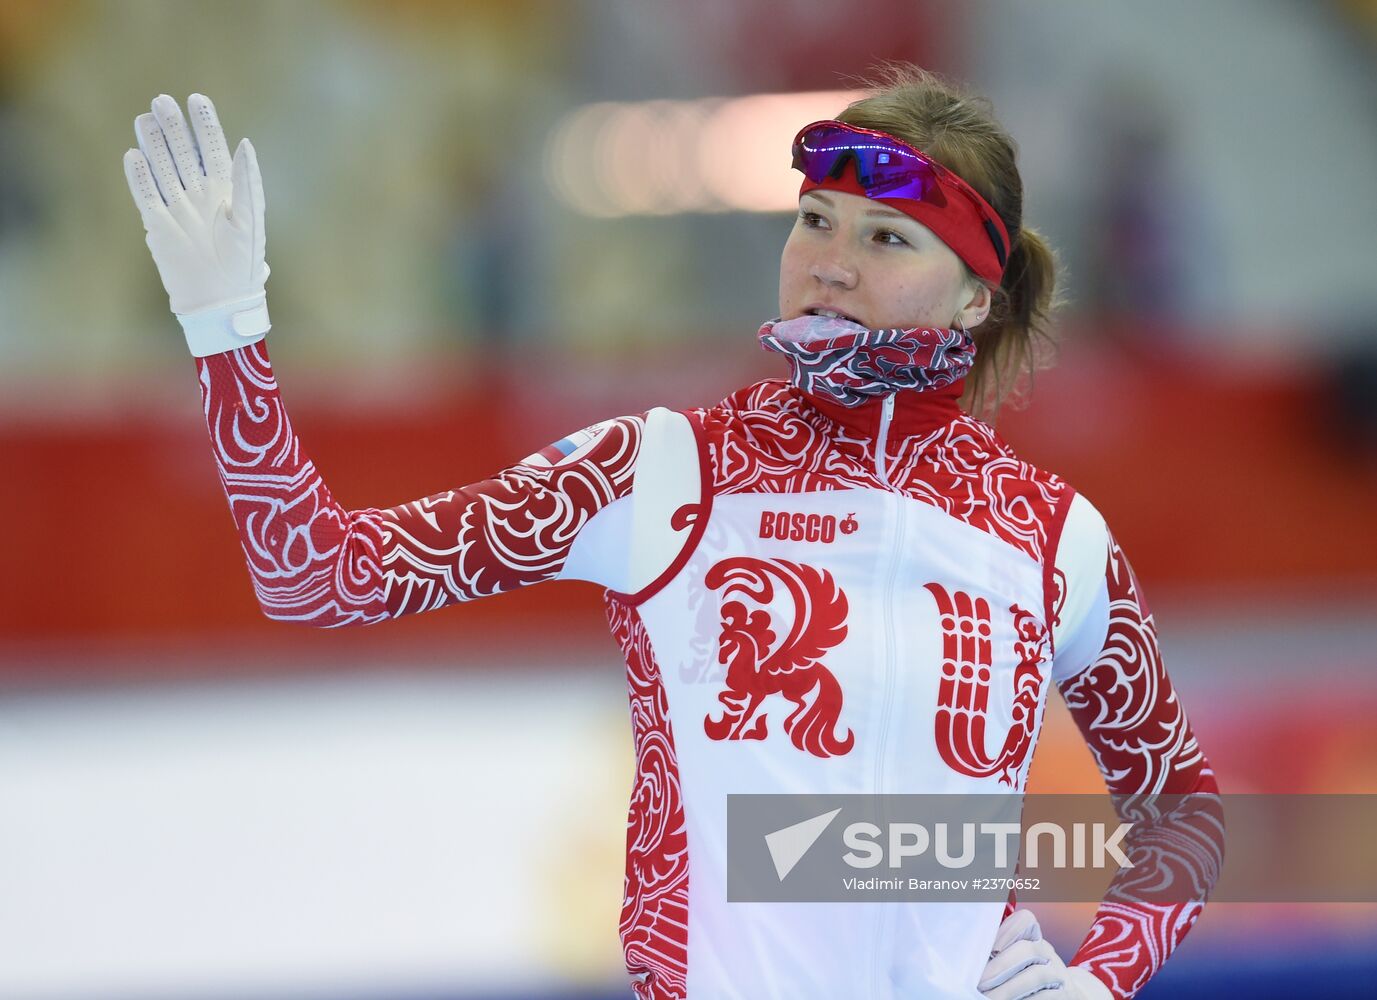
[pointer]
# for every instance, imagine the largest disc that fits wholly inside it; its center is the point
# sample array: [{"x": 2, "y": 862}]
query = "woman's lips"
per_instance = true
[{"x": 826, "y": 311}]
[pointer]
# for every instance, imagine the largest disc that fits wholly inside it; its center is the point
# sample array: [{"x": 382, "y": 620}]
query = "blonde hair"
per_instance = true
[{"x": 959, "y": 130}]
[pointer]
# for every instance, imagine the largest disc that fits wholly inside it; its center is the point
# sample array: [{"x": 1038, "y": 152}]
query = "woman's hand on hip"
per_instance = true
[{"x": 1023, "y": 964}]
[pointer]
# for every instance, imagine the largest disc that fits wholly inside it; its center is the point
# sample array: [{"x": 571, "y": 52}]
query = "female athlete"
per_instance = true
[{"x": 836, "y": 582}]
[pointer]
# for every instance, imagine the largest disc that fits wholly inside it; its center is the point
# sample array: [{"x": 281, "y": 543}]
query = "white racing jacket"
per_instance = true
[{"x": 810, "y": 598}]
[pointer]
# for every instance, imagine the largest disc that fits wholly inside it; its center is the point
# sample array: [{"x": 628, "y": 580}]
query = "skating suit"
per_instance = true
[{"x": 811, "y": 598}]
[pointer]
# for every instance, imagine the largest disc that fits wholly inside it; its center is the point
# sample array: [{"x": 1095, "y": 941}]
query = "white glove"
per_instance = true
[
  {"x": 1022, "y": 965},
  {"x": 204, "y": 216}
]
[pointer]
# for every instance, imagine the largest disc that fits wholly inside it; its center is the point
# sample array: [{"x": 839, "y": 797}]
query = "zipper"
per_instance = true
[
  {"x": 880, "y": 984},
  {"x": 882, "y": 438}
]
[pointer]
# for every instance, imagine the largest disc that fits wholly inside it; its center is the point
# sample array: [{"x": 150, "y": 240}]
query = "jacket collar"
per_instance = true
[{"x": 916, "y": 412}]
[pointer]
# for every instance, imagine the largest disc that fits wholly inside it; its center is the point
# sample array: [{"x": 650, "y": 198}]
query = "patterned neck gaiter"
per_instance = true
[{"x": 850, "y": 364}]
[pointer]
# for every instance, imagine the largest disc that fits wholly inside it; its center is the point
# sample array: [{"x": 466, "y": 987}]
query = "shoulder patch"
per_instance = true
[{"x": 569, "y": 450}]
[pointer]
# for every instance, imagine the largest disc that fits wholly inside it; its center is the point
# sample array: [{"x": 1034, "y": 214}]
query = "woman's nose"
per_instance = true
[{"x": 835, "y": 271}]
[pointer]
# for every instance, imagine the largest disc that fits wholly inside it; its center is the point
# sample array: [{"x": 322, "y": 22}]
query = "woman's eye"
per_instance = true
[
  {"x": 898, "y": 240},
  {"x": 810, "y": 219}
]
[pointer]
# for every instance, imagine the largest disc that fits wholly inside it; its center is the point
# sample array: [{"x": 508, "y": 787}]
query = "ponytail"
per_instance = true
[{"x": 1016, "y": 339}]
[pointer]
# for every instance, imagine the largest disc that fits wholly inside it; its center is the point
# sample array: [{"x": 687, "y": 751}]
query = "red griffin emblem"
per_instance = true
[
  {"x": 964, "y": 691},
  {"x": 759, "y": 666}
]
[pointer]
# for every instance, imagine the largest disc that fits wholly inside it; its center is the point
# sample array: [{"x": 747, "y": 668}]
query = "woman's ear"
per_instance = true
[{"x": 977, "y": 307}]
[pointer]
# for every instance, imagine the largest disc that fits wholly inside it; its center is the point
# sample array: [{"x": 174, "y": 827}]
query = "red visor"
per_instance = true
[{"x": 885, "y": 169}]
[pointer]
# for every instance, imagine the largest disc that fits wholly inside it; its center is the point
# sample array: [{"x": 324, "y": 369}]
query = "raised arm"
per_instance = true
[
  {"x": 313, "y": 561},
  {"x": 554, "y": 515}
]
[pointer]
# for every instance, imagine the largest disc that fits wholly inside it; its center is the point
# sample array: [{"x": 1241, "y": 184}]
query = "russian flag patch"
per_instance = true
[{"x": 568, "y": 450}]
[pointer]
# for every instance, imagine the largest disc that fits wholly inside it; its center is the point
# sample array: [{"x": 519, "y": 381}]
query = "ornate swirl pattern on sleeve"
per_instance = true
[
  {"x": 1126, "y": 708},
  {"x": 313, "y": 561}
]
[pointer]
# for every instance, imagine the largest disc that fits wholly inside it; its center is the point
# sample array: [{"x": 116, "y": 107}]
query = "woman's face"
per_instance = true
[{"x": 874, "y": 265}]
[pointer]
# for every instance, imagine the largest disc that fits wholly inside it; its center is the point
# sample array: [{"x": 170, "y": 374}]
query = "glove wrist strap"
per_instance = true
[{"x": 226, "y": 327}]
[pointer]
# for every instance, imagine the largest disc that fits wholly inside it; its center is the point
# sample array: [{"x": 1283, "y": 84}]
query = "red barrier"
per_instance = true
[{"x": 119, "y": 538}]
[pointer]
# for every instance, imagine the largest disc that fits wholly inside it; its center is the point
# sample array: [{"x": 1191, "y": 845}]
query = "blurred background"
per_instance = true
[{"x": 490, "y": 223}]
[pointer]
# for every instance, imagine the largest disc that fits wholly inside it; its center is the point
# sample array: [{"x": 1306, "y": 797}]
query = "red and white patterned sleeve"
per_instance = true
[
  {"x": 314, "y": 562},
  {"x": 1109, "y": 669}
]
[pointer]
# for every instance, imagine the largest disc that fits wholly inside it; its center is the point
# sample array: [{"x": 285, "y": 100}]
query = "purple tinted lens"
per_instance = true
[{"x": 883, "y": 169}]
